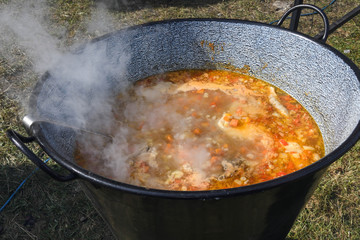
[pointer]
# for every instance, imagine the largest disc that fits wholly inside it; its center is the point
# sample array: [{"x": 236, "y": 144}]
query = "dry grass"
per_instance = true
[{"x": 46, "y": 209}]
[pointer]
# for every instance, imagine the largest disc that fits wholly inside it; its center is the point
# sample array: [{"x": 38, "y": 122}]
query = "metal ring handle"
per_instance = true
[
  {"x": 315, "y": 8},
  {"x": 20, "y": 141}
]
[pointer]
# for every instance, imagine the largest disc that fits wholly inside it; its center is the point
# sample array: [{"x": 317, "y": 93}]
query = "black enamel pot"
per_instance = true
[{"x": 323, "y": 80}]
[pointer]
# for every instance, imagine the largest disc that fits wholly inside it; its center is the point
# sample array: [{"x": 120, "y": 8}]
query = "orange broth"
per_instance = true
[{"x": 220, "y": 129}]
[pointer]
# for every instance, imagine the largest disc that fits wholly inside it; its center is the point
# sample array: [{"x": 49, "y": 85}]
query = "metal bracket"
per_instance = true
[
  {"x": 295, "y": 17},
  {"x": 347, "y": 17}
]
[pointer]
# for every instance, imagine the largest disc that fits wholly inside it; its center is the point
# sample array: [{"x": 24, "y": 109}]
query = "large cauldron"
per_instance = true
[{"x": 317, "y": 75}]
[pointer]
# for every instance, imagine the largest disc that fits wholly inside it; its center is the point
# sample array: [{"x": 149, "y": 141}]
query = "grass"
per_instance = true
[{"x": 46, "y": 209}]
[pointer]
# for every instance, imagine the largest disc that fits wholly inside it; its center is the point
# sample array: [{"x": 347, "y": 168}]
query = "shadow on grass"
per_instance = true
[
  {"x": 133, "y": 5},
  {"x": 46, "y": 209}
]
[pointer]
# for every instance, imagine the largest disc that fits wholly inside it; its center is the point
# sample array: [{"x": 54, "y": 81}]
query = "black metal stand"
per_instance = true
[
  {"x": 338, "y": 23},
  {"x": 295, "y": 17}
]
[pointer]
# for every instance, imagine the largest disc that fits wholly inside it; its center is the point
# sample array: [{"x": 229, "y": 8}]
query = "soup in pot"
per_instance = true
[{"x": 197, "y": 130}]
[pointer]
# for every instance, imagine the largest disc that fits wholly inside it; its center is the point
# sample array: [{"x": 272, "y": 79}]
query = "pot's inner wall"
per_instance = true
[{"x": 317, "y": 77}]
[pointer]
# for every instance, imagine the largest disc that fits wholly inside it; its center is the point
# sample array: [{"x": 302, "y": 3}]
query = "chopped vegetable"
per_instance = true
[
  {"x": 197, "y": 131},
  {"x": 283, "y": 142},
  {"x": 234, "y": 122}
]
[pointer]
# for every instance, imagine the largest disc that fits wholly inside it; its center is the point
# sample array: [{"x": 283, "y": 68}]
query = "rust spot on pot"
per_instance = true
[{"x": 214, "y": 47}]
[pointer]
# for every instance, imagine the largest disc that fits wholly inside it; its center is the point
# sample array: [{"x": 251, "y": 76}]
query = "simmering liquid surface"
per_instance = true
[{"x": 203, "y": 130}]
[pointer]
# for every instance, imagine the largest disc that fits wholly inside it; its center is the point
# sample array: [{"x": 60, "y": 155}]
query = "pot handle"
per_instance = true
[
  {"x": 20, "y": 141},
  {"x": 316, "y": 9}
]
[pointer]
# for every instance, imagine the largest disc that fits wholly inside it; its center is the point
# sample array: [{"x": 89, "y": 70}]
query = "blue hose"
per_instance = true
[{"x": 18, "y": 188}]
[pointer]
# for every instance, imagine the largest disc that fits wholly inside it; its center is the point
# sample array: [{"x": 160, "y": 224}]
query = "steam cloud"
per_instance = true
[
  {"x": 82, "y": 85},
  {"x": 80, "y": 81},
  {"x": 22, "y": 23},
  {"x": 27, "y": 24}
]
